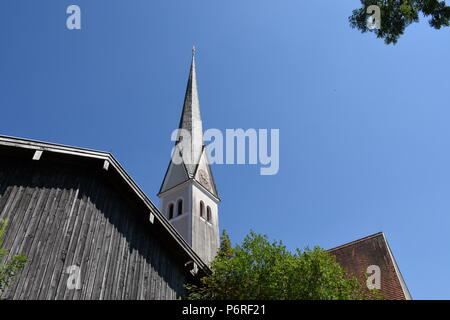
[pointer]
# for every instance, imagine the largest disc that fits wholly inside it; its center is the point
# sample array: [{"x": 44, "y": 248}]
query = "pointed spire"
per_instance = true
[
  {"x": 191, "y": 123},
  {"x": 189, "y": 143}
]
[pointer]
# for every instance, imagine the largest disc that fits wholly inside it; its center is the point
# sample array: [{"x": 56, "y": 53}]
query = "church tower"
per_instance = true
[{"x": 188, "y": 194}]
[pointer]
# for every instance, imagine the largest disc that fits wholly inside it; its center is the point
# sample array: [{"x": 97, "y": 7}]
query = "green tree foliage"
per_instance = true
[
  {"x": 396, "y": 15},
  {"x": 261, "y": 270},
  {"x": 9, "y": 269}
]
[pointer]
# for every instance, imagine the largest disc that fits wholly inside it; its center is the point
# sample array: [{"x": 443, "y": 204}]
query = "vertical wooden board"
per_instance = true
[
  {"x": 161, "y": 280},
  {"x": 156, "y": 275},
  {"x": 6, "y": 200},
  {"x": 134, "y": 274},
  {"x": 122, "y": 242},
  {"x": 142, "y": 262},
  {"x": 176, "y": 288},
  {"x": 151, "y": 270},
  {"x": 181, "y": 288},
  {"x": 3, "y": 178},
  {"x": 179, "y": 283},
  {"x": 110, "y": 276},
  {"x": 145, "y": 266},
  {"x": 135, "y": 269},
  {"x": 102, "y": 253},
  {"x": 142, "y": 275},
  {"x": 165, "y": 277},
  {"x": 126, "y": 256},
  {"x": 82, "y": 257},
  {"x": 137, "y": 264},
  {"x": 96, "y": 246},
  {"x": 114, "y": 278},
  {"x": 168, "y": 279},
  {"x": 163, "y": 289},
  {"x": 106, "y": 250},
  {"x": 154, "y": 263},
  {"x": 89, "y": 254},
  {"x": 160, "y": 294},
  {"x": 119, "y": 284},
  {"x": 130, "y": 260},
  {"x": 7, "y": 188},
  {"x": 175, "y": 284},
  {"x": 122, "y": 258}
]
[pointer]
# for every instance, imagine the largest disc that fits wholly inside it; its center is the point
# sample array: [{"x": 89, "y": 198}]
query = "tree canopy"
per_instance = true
[
  {"x": 396, "y": 15},
  {"x": 258, "y": 269},
  {"x": 10, "y": 268}
]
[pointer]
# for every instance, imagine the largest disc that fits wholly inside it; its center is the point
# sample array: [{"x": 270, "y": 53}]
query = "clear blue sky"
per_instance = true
[{"x": 364, "y": 127}]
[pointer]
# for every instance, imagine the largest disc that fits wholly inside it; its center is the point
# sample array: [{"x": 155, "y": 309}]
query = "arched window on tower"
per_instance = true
[
  {"x": 208, "y": 214},
  {"x": 202, "y": 209},
  {"x": 180, "y": 207},
  {"x": 170, "y": 211}
]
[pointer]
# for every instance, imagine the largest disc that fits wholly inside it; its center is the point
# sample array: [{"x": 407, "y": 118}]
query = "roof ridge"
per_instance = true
[{"x": 357, "y": 241}]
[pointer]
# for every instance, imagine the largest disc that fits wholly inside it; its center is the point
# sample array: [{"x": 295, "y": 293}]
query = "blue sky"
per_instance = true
[{"x": 364, "y": 134}]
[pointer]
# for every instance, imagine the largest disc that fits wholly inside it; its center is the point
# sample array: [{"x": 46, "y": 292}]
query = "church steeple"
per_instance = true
[
  {"x": 189, "y": 143},
  {"x": 191, "y": 123},
  {"x": 188, "y": 193}
]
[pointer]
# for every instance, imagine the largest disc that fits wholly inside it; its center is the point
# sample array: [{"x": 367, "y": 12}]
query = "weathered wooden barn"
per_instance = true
[{"x": 88, "y": 230}]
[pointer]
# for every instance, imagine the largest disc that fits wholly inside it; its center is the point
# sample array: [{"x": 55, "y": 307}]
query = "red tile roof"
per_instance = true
[{"x": 356, "y": 256}]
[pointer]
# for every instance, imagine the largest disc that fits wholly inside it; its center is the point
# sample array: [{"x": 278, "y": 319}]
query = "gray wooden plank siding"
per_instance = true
[{"x": 60, "y": 215}]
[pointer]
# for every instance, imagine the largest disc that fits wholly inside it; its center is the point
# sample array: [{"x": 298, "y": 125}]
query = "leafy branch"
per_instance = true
[
  {"x": 396, "y": 15},
  {"x": 8, "y": 269}
]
